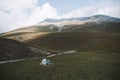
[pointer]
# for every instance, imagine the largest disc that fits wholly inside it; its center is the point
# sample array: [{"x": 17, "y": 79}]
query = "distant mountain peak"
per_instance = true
[
  {"x": 98, "y": 17},
  {"x": 103, "y": 18}
]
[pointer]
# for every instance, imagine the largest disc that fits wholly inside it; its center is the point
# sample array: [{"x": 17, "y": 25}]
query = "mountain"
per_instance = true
[
  {"x": 94, "y": 33},
  {"x": 101, "y": 18},
  {"x": 101, "y": 23},
  {"x": 11, "y": 49},
  {"x": 96, "y": 23}
]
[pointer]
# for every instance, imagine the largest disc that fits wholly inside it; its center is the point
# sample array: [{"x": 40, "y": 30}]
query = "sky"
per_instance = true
[{"x": 19, "y": 13}]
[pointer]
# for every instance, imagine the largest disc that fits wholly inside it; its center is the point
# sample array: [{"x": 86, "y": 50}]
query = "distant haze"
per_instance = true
[{"x": 19, "y": 13}]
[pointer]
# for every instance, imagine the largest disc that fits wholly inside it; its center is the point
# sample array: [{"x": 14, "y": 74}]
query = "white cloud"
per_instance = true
[
  {"x": 17, "y": 13},
  {"x": 41, "y": 13},
  {"x": 106, "y": 7},
  {"x": 17, "y": 4}
]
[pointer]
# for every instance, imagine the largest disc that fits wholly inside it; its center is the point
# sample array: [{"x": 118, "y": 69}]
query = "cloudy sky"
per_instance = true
[{"x": 18, "y": 13}]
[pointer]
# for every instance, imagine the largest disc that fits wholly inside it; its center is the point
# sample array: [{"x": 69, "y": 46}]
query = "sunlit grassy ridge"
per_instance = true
[{"x": 23, "y": 36}]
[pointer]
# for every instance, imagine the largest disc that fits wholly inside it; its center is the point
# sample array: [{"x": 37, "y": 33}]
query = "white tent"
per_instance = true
[{"x": 45, "y": 62}]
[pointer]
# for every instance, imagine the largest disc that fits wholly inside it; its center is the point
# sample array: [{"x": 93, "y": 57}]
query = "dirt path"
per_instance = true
[
  {"x": 66, "y": 52},
  {"x": 52, "y": 55}
]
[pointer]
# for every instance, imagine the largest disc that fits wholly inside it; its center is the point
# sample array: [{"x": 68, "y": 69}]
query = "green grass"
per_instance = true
[{"x": 76, "y": 66}]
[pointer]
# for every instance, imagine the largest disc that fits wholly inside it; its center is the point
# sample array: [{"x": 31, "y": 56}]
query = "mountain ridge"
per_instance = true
[
  {"x": 42, "y": 29},
  {"x": 99, "y": 16}
]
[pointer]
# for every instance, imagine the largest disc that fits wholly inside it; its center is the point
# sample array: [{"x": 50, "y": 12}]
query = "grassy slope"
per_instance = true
[
  {"x": 12, "y": 49},
  {"x": 81, "y": 41},
  {"x": 22, "y": 36},
  {"x": 78, "y": 66}
]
